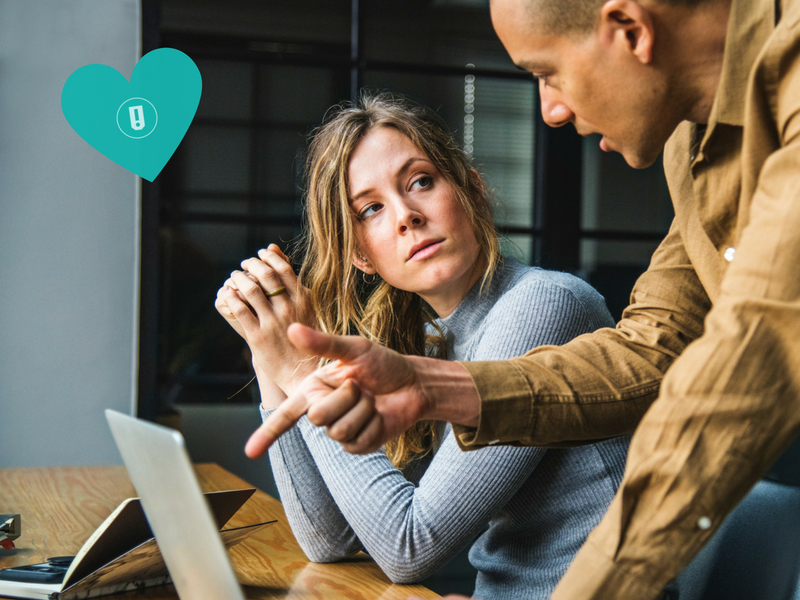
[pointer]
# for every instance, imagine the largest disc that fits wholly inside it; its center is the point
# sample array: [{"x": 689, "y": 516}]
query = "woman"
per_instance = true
[{"x": 400, "y": 225}]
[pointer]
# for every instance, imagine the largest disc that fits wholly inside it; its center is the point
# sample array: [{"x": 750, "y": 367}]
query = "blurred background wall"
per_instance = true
[{"x": 69, "y": 240}]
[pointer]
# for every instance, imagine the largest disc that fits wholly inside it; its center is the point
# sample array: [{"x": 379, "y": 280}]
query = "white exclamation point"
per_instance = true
[{"x": 137, "y": 117}]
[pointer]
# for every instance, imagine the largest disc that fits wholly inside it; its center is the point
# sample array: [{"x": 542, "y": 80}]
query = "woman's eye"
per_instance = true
[
  {"x": 370, "y": 210},
  {"x": 422, "y": 182}
]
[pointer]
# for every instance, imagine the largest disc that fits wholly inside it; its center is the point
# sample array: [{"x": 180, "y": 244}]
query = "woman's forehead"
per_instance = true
[{"x": 382, "y": 153}]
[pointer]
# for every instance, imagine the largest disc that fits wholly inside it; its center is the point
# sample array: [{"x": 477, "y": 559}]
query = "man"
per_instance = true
[{"x": 708, "y": 347}]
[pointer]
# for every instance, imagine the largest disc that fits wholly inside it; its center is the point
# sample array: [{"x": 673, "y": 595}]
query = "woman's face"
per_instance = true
[{"x": 410, "y": 225}]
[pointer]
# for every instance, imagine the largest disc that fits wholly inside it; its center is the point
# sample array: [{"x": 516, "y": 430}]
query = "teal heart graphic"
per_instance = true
[{"x": 139, "y": 124}]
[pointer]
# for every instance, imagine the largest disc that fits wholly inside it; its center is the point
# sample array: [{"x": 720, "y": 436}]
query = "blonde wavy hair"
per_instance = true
[{"x": 341, "y": 298}]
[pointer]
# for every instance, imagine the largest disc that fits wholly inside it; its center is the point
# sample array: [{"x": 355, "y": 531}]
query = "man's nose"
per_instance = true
[{"x": 554, "y": 112}]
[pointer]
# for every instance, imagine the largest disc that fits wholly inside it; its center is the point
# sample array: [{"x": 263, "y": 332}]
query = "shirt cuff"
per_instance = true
[
  {"x": 506, "y": 405},
  {"x": 594, "y": 576}
]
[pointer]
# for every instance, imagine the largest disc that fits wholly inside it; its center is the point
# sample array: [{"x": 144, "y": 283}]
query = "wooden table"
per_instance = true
[{"x": 62, "y": 506}]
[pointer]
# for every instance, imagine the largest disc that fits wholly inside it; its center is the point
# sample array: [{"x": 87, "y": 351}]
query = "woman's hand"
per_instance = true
[
  {"x": 225, "y": 311},
  {"x": 260, "y": 304}
]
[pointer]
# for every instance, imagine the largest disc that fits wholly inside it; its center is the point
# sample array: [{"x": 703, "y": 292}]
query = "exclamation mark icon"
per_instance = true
[
  {"x": 136, "y": 126},
  {"x": 137, "y": 117}
]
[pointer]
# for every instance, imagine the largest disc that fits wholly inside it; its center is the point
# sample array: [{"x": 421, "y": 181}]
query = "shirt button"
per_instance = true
[
  {"x": 729, "y": 254},
  {"x": 704, "y": 523},
  {"x": 493, "y": 442}
]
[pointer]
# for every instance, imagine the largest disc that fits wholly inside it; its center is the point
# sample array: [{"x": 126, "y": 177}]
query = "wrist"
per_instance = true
[
  {"x": 446, "y": 390},
  {"x": 301, "y": 371}
]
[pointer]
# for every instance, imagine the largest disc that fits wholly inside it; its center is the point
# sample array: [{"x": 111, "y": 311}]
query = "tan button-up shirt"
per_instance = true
[{"x": 709, "y": 348}]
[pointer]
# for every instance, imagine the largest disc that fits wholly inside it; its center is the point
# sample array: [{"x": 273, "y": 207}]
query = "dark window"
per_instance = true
[{"x": 270, "y": 71}]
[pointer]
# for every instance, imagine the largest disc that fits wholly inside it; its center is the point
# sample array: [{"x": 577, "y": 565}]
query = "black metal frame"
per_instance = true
[{"x": 148, "y": 284}]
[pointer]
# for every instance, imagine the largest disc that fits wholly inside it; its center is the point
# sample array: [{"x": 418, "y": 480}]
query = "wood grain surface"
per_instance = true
[{"x": 62, "y": 506}]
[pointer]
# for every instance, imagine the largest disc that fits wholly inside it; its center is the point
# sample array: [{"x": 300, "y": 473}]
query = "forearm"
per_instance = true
[
  {"x": 316, "y": 521},
  {"x": 590, "y": 389},
  {"x": 271, "y": 394},
  {"x": 411, "y": 530}
]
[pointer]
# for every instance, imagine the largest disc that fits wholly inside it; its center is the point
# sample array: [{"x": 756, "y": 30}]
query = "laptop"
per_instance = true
[
  {"x": 122, "y": 554},
  {"x": 182, "y": 523}
]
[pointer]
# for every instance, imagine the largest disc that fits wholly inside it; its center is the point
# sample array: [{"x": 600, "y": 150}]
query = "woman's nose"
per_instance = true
[
  {"x": 408, "y": 217},
  {"x": 554, "y": 112}
]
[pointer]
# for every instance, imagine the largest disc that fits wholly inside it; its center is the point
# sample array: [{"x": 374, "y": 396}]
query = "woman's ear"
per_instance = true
[
  {"x": 477, "y": 179},
  {"x": 362, "y": 263}
]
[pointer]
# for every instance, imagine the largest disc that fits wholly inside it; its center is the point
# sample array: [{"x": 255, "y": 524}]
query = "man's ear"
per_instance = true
[
  {"x": 362, "y": 263},
  {"x": 628, "y": 25}
]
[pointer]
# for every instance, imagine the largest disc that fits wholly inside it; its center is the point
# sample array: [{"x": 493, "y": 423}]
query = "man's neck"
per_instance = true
[{"x": 697, "y": 49}]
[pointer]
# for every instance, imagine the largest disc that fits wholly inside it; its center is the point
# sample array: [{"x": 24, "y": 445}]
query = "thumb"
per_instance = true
[{"x": 325, "y": 345}]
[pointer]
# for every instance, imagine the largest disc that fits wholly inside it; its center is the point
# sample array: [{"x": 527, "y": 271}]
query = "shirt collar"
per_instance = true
[{"x": 750, "y": 24}]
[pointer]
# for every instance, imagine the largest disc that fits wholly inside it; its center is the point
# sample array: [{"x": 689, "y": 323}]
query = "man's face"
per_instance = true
[{"x": 593, "y": 80}]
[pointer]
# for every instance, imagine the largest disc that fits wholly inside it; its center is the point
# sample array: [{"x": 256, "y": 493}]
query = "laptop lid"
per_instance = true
[{"x": 159, "y": 466}]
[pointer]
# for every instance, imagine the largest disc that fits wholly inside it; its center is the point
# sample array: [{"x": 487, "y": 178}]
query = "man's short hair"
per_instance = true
[{"x": 560, "y": 17}]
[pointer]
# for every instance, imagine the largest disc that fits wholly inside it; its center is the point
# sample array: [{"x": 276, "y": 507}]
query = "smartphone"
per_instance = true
[{"x": 53, "y": 571}]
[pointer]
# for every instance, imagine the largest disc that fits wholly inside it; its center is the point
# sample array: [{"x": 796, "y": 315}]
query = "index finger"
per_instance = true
[
  {"x": 279, "y": 422},
  {"x": 275, "y": 259}
]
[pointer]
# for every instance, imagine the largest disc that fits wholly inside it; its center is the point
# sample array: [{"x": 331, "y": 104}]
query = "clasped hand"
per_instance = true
[{"x": 248, "y": 302}]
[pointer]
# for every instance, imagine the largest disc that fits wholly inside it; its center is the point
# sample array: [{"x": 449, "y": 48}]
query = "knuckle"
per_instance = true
[
  {"x": 240, "y": 311},
  {"x": 315, "y": 415},
  {"x": 250, "y": 288},
  {"x": 355, "y": 448},
  {"x": 341, "y": 431}
]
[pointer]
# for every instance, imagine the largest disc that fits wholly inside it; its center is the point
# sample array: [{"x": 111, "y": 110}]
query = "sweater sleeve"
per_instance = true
[
  {"x": 316, "y": 521},
  {"x": 412, "y": 531}
]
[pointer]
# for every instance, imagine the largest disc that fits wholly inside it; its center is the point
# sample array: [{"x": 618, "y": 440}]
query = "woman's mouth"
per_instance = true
[{"x": 424, "y": 250}]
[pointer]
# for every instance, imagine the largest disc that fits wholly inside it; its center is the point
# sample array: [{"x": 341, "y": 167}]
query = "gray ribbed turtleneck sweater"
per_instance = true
[{"x": 530, "y": 508}]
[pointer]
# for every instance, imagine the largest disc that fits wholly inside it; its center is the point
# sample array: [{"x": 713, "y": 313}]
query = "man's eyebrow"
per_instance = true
[
  {"x": 528, "y": 67},
  {"x": 403, "y": 167}
]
